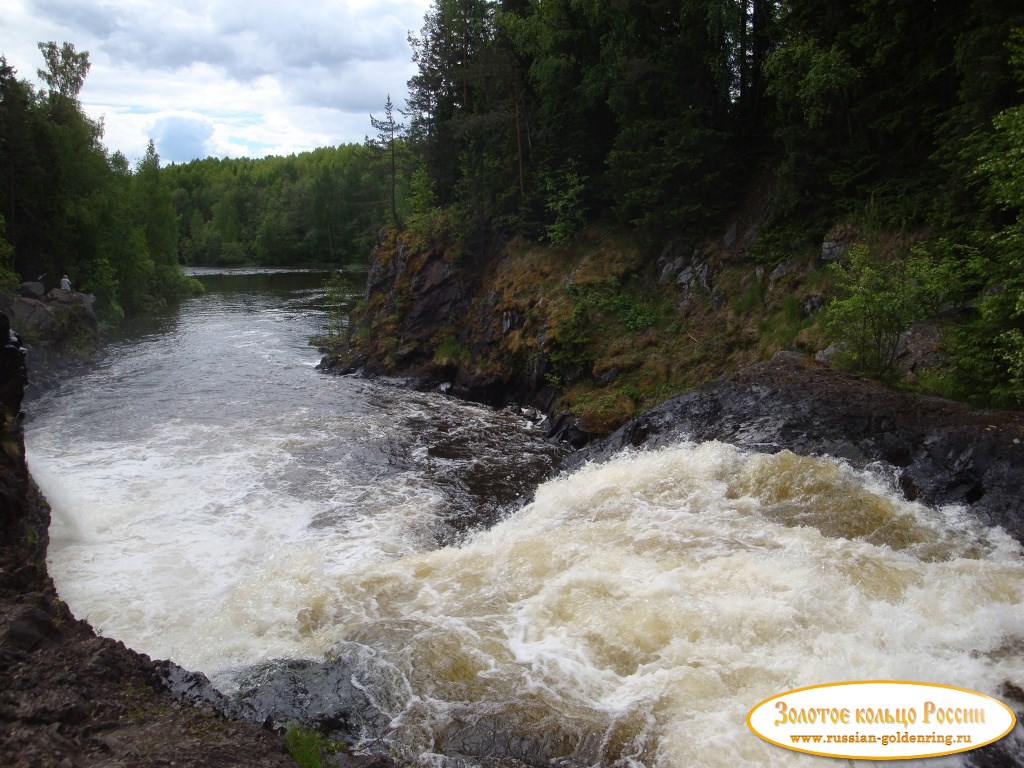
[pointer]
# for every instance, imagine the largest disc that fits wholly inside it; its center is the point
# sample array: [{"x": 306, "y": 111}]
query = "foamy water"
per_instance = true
[
  {"x": 636, "y": 610},
  {"x": 205, "y": 478},
  {"x": 218, "y": 502}
]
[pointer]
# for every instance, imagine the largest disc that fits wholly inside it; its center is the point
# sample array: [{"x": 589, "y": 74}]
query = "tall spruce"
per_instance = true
[{"x": 389, "y": 133}]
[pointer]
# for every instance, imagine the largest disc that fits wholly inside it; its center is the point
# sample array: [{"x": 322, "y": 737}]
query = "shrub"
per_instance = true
[
  {"x": 878, "y": 299},
  {"x": 308, "y": 748}
]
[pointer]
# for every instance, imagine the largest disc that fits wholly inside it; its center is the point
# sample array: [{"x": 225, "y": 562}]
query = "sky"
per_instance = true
[{"x": 228, "y": 78}]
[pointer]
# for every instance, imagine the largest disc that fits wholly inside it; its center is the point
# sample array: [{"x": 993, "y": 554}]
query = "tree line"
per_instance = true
[
  {"x": 323, "y": 207},
  {"x": 656, "y": 112},
  {"x": 534, "y": 118},
  {"x": 69, "y": 206},
  {"x": 123, "y": 231},
  {"x": 314, "y": 208}
]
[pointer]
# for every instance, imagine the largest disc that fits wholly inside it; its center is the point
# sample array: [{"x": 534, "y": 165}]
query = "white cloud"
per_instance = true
[
  {"x": 251, "y": 77},
  {"x": 182, "y": 137}
]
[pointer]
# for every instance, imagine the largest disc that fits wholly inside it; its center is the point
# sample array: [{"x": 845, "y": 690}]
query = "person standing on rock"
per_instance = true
[{"x": 65, "y": 284}]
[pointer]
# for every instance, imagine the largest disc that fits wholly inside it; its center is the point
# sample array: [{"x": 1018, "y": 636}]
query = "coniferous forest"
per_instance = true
[{"x": 539, "y": 119}]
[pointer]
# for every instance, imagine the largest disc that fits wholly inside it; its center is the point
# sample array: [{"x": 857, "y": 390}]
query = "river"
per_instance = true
[{"x": 219, "y": 502}]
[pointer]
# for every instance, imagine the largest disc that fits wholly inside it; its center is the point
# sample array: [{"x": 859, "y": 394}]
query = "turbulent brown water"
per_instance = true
[{"x": 219, "y": 502}]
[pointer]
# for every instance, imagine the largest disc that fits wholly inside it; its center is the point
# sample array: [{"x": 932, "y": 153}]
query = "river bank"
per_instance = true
[
  {"x": 83, "y": 700},
  {"x": 71, "y": 698},
  {"x": 786, "y": 404}
]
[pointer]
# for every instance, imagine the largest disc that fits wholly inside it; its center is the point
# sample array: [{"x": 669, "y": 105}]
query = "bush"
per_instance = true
[
  {"x": 878, "y": 300},
  {"x": 564, "y": 202}
]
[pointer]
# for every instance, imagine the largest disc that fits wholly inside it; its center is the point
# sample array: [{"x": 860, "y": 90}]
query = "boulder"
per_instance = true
[
  {"x": 321, "y": 696},
  {"x": 32, "y": 290},
  {"x": 29, "y": 317}
]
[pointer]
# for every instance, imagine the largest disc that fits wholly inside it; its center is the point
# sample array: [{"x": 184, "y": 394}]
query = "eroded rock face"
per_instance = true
[
  {"x": 946, "y": 452},
  {"x": 418, "y": 299}
]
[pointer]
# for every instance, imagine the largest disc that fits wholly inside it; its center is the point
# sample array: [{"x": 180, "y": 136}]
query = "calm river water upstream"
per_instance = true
[{"x": 219, "y": 502}]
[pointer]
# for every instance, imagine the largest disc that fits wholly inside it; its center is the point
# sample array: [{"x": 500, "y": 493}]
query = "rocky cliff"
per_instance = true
[
  {"x": 438, "y": 316},
  {"x": 58, "y": 327},
  {"x": 595, "y": 332},
  {"x": 588, "y": 334}
]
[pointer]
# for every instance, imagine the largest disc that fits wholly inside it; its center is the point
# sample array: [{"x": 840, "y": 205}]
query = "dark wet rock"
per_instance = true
[
  {"x": 193, "y": 688},
  {"x": 433, "y": 295},
  {"x": 25, "y": 628},
  {"x": 321, "y": 696},
  {"x": 945, "y": 452},
  {"x": 567, "y": 429},
  {"x": 333, "y": 365}
]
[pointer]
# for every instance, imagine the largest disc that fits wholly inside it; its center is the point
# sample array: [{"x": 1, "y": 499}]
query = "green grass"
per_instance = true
[
  {"x": 451, "y": 352},
  {"x": 752, "y": 298},
  {"x": 308, "y": 748}
]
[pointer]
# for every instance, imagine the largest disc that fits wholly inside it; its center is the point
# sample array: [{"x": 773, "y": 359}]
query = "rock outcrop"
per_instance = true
[
  {"x": 434, "y": 317},
  {"x": 59, "y": 328},
  {"x": 944, "y": 452},
  {"x": 590, "y": 333}
]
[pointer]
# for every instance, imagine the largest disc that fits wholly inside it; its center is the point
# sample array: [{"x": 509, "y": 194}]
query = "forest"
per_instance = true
[
  {"x": 538, "y": 119},
  {"x": 69, "y": 206},
  {"x": 315, "y": 208}
]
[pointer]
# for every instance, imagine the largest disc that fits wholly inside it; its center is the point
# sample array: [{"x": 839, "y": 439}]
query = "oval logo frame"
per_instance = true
[{"x": 881, "y": 720}]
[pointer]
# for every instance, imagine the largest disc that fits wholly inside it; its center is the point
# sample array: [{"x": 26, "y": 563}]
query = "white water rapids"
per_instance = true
[{"x": 218, "y": 502}]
